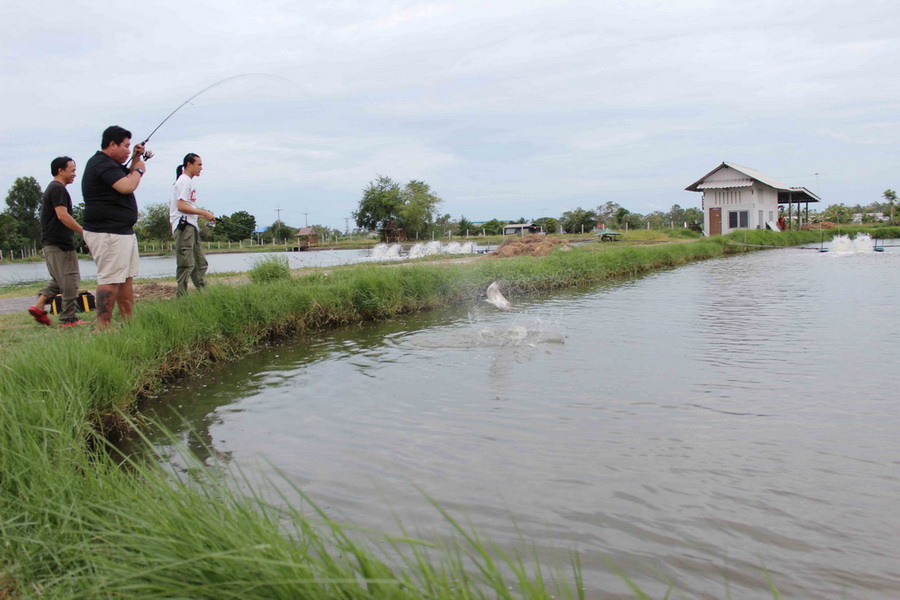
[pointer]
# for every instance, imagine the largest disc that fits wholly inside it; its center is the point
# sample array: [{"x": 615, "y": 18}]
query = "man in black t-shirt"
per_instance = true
[
  {"x": 58, "y": 243},
  {"x": 110, "y": 212}
]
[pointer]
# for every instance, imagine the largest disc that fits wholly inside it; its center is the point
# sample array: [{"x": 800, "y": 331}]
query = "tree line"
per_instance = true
[
  {"x": 839, "y": 213},
  {"x": 404, "y": 212}
]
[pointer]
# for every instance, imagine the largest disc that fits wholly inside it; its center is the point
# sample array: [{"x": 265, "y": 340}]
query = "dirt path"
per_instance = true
[
  {"x": 142, "y": 291},
  {"x": 11, "y": 305}
]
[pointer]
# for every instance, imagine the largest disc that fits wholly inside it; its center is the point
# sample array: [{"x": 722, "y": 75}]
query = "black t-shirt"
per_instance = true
[
  {"x": 53, "y": 232},
  {"x": 105, "y": 209}
]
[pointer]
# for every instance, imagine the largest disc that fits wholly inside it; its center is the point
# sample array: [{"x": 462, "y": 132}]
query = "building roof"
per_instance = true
[
  {"x": 785, "y": 193},
  {"x": 306, "y": 231}
]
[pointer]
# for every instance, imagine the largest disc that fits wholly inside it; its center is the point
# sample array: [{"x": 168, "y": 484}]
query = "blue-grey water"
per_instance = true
[
  {"x": 153, "y": 267},
  {"x": 707, "y": 427},
  {"x": 221, "y": 261}
]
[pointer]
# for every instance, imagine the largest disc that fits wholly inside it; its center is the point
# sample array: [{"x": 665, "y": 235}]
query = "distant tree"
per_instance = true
[
  {"x": 327, "y": 231},
  {"x": 633, "y": 220},
  {"x": 621, "y": 216},
  {"x": 153, "y": 223},
  {"x": 675, "y": 216},
  {"x": 10, "y": 239},
  {"x": 606, "y": 213},
  {"x": 277, "y": 232},
  {"x": 465, "y": 227},
  {"x": 659, "y": 220},
  {"x": 838, "y": 213},
  {"x": 548, "y": 224},
  {"x": 243, "y": 225},
  {"x": 693, "y": 215},
  {"x": 389, "y": 209},
  {"x": 418, "y": 208},
  {"x": 379, "y": 208},
  {"x": 23, "y": 204},
  {"x": 235, "y": 227},
  {"x": 578, "y": 220},
  {"x": 890, "y": 196},
  {"x": 492, "y": 227}
]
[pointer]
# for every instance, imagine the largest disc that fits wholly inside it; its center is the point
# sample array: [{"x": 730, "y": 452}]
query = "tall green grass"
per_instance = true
[
  {"x": 270, "y": 268},
  {"x": 75, "y": 524}
]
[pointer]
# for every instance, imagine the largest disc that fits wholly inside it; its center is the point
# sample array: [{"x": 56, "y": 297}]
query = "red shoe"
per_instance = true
[
  {"x": 74, "y": 323},
  {"x": 39, "y": 315}
]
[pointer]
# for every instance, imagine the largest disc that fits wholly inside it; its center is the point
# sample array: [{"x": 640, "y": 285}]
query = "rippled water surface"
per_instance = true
[{"x": 701, "y": 426}]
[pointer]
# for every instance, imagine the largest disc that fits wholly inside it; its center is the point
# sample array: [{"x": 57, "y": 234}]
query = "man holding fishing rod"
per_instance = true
[
  {"x": 110, "y": 212},
  {"x": 183, "y": 212}
]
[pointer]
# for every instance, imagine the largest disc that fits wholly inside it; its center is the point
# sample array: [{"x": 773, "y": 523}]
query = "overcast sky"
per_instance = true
[{"x": 507, "y": 109}]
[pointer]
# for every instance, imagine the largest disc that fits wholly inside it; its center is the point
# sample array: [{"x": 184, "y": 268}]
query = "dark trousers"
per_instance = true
[{"x": 66, "y": 277}]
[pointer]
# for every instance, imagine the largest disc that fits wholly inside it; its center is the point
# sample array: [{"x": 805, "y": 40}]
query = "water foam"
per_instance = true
[
  {"x": 861, "y": 244},
  {"x": 421, "y": 250}
]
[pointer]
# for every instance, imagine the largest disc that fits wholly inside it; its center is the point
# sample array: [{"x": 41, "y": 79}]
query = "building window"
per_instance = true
[{"x": 739, "y": 219}]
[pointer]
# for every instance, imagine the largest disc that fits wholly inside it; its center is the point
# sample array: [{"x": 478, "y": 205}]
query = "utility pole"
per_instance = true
[
  {"x": 346, "y": 225},
  {"x": 305, "y": 220},
  {"x": 278, "y": 212}
]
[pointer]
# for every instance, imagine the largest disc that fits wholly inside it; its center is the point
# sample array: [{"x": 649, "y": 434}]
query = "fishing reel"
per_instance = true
[{"x": 147, "y": 155}]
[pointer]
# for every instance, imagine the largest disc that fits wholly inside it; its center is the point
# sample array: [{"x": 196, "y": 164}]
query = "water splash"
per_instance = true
[
  {"x": 861, "y": 244},
  {"x": 422, "y": 249},
  {"x": 529, "y": 332},
  {"x": 385, "y": 252}
]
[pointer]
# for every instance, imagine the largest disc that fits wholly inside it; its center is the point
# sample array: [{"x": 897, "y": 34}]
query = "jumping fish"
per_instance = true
[{"x": 496, "y": 298}]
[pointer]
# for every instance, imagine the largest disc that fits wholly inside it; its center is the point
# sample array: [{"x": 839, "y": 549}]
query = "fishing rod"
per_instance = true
[{"x": 148, "y": 154}]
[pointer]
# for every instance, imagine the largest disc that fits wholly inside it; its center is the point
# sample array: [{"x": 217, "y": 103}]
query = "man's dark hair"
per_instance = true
[
  {"x": 58, "y": 164},
  {"x": 114, "y": 135}
]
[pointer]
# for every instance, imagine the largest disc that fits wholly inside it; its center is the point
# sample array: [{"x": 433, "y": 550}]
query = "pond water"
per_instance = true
[
  {"x": 702, "y": 426},
  {"x": 153, "y": 267}
]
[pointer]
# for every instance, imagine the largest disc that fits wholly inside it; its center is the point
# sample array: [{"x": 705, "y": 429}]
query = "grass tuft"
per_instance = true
[{"x": 269, "y": 269}]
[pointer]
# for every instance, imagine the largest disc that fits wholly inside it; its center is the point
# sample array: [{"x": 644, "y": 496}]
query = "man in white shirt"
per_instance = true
[{"x": 183, "y": 212}]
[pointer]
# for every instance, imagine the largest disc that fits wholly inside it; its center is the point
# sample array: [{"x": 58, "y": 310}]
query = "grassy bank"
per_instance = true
[{"x": 73, "y": 523}]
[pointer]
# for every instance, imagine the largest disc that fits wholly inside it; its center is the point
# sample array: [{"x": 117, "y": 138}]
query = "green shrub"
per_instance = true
[{"x": 270, "y": 268}]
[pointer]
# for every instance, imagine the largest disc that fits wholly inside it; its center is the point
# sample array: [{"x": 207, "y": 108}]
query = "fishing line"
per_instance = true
[{"x": 148, "y": 155}]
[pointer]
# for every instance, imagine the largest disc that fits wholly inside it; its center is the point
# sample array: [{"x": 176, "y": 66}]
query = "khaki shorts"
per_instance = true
[{"x": 116, "y": 256}]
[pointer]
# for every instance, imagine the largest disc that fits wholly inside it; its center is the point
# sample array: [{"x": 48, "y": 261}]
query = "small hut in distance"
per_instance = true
[
  {"x": 736, "y": 197},
  {"x": 307, "y": 237}
]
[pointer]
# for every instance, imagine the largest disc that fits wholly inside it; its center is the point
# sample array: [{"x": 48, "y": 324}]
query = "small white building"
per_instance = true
[
  {"x": 736, "y": 197},
  {"x": 520, "y": 228}
]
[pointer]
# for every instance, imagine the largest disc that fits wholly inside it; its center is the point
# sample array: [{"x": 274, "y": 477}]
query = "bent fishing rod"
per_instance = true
[{"x": 148, "y": 154}]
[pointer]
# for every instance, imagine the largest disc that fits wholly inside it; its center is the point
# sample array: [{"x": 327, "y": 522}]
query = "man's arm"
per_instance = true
[
  {"x": 130, "y": 182},
  {"x": 66, "y": 219},
  {"x": 190, "y": 210}
]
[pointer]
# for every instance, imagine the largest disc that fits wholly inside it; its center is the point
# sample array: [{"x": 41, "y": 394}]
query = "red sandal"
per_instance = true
[{"x": 39, "y": 315}]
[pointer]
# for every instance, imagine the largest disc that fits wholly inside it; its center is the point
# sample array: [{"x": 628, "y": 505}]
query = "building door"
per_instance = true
[{"x": 715, "y": 221}]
